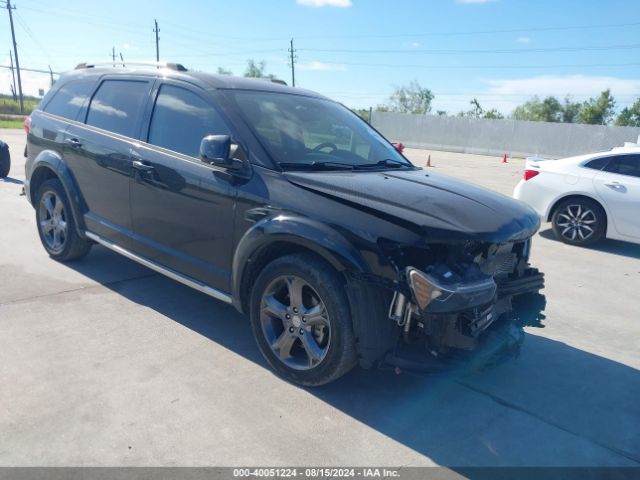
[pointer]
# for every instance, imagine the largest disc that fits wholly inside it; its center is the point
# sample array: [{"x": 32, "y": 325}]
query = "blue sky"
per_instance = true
[{"x": 356, "y": 51}]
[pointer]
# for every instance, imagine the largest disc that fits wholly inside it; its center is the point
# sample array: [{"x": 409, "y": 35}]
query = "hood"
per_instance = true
[{"x": 436, "y": 206}]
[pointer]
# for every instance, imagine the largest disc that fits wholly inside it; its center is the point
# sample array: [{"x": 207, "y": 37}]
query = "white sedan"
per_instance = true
[{"x": 587, "y": 197}]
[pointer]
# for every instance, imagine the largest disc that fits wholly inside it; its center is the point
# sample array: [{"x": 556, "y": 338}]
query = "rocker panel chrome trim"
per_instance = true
[{"x": 178, "y": 277}]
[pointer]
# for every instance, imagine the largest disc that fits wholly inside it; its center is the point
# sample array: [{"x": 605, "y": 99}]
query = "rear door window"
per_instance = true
[
  {"x": 598, "y": 163},
  {"x": 117, "y": 105},
  {"x": 70, "y": 98},
  {"x": 181, "y": 119},
  {"x": 624, "y": 165}
]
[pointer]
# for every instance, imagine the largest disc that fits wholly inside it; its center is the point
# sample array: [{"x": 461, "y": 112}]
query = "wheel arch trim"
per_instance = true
[
  {"x": 303, "y": 232},
  {"x": 52, "y": 161}
]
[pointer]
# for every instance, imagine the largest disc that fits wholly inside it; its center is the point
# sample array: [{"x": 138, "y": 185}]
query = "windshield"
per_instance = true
[{"x": 310, "y": 133}]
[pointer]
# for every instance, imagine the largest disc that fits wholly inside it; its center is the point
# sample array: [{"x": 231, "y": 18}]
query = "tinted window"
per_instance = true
[
  {"x": 68, "y": 100},
  {"x": 116, "y": 106},
  {"x": 598, "y": 163},
  {"x": 181, "y": 119},
  {"x": 625, "y": 165}
]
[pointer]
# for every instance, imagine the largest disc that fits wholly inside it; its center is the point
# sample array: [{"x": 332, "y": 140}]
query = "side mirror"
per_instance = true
[{"x": 215, "y": 149}]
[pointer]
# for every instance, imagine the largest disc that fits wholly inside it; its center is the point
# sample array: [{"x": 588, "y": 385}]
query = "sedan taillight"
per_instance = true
[
  {"x": 27, "y": 124},
  {"x": 529, "y": 174}
]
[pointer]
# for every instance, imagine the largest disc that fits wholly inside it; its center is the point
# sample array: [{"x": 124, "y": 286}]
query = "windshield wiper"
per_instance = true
[
  {"x": 387, "y": 162},
  {"x": 316, "y": 165}
]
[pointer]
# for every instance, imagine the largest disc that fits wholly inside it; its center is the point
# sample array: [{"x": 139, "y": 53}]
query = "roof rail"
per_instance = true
[{"x": 171, "y": 66}]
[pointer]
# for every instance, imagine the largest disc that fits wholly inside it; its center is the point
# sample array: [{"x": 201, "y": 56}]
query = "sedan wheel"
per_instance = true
[
  {"x": 576, "y": 222},
  {"x": 579, "y": 222}
]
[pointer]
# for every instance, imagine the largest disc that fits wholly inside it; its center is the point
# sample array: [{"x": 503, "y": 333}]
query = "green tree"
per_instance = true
[
  {"x": 478, "y": 112},
  {"x": 598, "y": 111},
  {"x": 224, "y": 71},
  {"x": 412, "y": 98},
  {"x": 570, "y": 110},
  {"x": 535, "y": 110},
  {"x": 257, "y": 70},
  {"x": 629, "y": 116}
]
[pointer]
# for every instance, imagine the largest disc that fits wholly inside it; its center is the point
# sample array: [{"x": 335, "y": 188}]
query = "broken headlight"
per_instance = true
[{"x": 443, "y": 291}]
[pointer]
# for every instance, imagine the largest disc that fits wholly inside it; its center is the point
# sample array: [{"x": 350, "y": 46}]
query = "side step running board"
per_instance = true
[{"x": 188, "y": 281}]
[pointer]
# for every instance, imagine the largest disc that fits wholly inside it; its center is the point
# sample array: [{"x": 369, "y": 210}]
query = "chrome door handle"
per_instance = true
[
  {"x": 614, "y": 185},
  {"x": 141, "y": 166},
  {"x": 73, "y": 142}
]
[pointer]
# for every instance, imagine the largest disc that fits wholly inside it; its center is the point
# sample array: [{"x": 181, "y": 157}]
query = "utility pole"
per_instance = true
[
  {"x": 157, "y": 31},
  {"x": 13, "y": 75},
  {"x": 15, "y": 51},
  {"x": 292, "y": 61},
  {"x": 113, "y": 56}
]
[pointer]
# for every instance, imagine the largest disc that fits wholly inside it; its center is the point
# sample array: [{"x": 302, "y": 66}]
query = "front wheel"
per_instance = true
[
  {"x": 579, "y": 222},
  {"x": 301, "y": 321}
]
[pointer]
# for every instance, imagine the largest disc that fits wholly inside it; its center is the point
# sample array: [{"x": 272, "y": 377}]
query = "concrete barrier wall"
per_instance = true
[{"x": 496, "y": 137}]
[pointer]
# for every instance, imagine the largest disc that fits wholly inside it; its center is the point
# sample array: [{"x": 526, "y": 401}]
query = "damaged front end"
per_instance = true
[{"x": 455, "y": 302}]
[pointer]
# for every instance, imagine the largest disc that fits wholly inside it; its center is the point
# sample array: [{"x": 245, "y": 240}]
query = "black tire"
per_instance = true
[
  {"x": 579, "y": 221},
  {"x": 70, "y": 246},
  {"x": 324, "y": 285},
  {"x": 5, "y": 160}
]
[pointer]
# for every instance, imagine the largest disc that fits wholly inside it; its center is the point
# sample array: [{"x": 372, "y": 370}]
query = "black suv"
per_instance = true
[{"x": 288, "y": 206}]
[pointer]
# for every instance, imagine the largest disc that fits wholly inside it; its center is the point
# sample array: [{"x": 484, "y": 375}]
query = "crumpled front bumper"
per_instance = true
[{"x": 500, "y": 342}]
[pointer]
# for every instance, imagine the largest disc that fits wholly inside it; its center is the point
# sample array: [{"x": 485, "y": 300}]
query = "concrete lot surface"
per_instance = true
[{"x": 104, "y": 363}]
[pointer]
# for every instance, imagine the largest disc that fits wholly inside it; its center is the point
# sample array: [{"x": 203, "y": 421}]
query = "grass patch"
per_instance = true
[{"x": 11, "y": 124}]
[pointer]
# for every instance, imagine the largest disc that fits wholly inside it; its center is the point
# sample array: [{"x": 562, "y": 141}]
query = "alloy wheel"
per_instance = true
[
  {"x": 295, "y": 322},
  {"x": 576, "y": 222},
  {"x": 53, "y": 221}
]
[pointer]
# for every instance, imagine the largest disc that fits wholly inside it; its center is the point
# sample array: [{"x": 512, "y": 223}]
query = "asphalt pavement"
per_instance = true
[{"x": 105, "y": 363}]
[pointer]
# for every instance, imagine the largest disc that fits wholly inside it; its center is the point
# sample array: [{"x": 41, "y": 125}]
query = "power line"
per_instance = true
[
  {"x": 34, "y": 70},
  {"x": 479, "y": 32},
  {"x": 30, "y": 33},
  {"x": 629, "y": 46},
  {"x": 463, "y": 67}
]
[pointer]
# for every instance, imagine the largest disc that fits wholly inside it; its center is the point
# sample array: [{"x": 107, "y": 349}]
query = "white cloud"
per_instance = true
[
  {"x": 560, "y": 85},
  {"x": 415, "y": 44},
  {"x": 321, "y": 66},
  {"x": 523, "y": 40},
  {"x": 31, "y": 81},
  {"x": 474, "y": 1},
  {"x": 325, "y": 3},
  {"x": 506, "y": 95}
]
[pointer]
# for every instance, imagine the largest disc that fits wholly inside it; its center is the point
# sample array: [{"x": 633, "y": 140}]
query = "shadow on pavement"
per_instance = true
[
  {"x": 11, "y": 180},
  {"x": 587, "y": 402},
  {"x": 616, "y": 247}
]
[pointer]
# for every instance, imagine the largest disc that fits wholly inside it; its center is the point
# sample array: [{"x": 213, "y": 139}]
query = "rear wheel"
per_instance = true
[
  {"x": 301, "y": 320},
  {"x": 56, "y": 226},
  {"x": 5, "y": 160},
  {"x": 579, "y": 222}
]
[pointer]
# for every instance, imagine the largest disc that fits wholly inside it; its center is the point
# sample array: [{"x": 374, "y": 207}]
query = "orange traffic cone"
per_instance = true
[
  {"x": 429, "y": 161},
  {"x": 504, "y": 159}
]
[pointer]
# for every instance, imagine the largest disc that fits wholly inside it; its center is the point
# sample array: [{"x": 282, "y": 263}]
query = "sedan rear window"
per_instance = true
[
  {"x": 625, "y": 165},
  {"x": 598, "y": 163}
]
